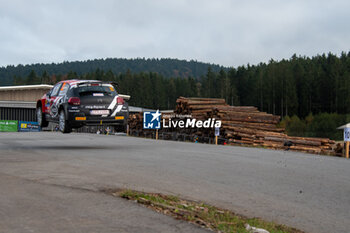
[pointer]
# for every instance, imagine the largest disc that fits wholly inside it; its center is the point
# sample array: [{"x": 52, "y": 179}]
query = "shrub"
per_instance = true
[
  {"x": 321, "y": 125},
  {"x": 296, "y": 127},
  {"x": 325, "y": 125}
]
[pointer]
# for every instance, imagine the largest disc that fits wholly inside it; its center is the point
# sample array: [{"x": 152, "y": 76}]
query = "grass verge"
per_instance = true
[{"x": 204, "y": 215}]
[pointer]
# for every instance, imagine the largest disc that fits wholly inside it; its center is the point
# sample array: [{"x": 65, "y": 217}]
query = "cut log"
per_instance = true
[{"x": 294, "y": 141}]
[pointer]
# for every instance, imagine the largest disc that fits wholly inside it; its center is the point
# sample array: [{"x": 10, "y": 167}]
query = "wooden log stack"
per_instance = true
[
  {"x": 135, "y": 121},
  {"x": 242, "y": 125},
  {"x": 199, "y": 108}
]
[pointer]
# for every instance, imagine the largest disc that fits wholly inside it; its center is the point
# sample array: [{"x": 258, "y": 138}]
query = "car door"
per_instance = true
[
  {"x": 52, "y": 99},
  {"x": 62, "y": 98}
]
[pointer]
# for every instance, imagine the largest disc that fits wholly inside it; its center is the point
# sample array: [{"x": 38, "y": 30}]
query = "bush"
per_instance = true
[
  {"x": 321, "y": 125},
  {"x": 284, "y": 122},
  {"x": 296, "y": 127},
  {"x": 325, "y": 125}
]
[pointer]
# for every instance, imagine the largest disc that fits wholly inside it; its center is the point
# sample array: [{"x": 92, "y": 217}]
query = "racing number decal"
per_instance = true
[{"x": 55, "y": 106}]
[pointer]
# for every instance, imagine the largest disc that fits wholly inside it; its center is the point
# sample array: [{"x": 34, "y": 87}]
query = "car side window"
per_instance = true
[
  {"x": 55, "y": 89},
  {"x": 64, "y": 88}
]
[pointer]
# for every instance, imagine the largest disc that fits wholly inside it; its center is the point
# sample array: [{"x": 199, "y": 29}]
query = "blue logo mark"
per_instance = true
[{"x": 151, "y": 120}]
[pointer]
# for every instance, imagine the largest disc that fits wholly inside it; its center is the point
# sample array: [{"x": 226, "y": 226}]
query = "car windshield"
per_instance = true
[{"x": 96, "y": 90}]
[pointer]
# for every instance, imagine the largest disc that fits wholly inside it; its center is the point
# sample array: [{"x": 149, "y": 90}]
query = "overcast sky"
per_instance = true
[{"x": 229, "y": 33}]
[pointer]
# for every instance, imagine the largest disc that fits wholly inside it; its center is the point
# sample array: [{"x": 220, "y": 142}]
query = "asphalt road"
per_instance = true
[{"x": 52, "y": 181}]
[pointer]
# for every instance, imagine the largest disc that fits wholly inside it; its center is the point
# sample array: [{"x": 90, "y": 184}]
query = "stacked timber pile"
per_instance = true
[
  {"x": 199, "y": 108},
  {"x": 246, "y": 125},
  {"x": 241, "y": 125},
  {"x": 311, "y": 145},
  {"x": 135, "y": 121}
]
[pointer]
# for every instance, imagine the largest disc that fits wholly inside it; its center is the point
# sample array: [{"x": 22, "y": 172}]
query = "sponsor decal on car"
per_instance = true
[
  {"x": 95, "y": 106},
  {"x": 54, "y": 111},
  {"x": 73, "y": 110}
]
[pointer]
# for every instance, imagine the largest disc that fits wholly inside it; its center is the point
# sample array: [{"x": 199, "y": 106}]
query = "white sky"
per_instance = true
[{"x": 224, "y": 32}]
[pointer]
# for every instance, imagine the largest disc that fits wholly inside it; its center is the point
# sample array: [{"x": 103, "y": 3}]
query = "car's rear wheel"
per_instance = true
[
  {"x": 40, "y": 117},
  {"x": 63, "y": 123}
]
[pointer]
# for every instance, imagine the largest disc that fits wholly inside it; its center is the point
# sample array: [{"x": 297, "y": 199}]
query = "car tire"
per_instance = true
[
  {"x": 40, "y": 117},
  {"x": 63, "y": 123}
]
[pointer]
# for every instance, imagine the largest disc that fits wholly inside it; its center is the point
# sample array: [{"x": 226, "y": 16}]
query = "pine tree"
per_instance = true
[{"x": 32, "y": 78}]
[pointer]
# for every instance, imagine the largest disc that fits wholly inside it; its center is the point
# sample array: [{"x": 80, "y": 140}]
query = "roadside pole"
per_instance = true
[
  {"x": 347, "y": 141},
  {"x": 157, "y": 134},
  {"x": 217, "y": 133},
  {"x": 127, "y": 130}
]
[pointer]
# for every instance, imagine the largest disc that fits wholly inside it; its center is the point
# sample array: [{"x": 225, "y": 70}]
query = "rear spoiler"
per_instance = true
[
  {"x": 98, "y": 82},
  {"x": 125, "y": 97}
]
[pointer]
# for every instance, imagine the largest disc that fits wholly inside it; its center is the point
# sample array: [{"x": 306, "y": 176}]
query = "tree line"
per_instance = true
[
  {"x": 297, "y": 86},
  {"x": 166, "y": 66}
]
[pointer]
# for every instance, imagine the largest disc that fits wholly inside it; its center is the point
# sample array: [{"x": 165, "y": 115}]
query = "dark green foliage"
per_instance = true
[
  {"x": 296, "y": 127},
  {"x": 321, "y": 125},
  {"x": 167, "y": 67},
  {"x": 32, "y": 78},
  {"x": 325, "y": 125}
]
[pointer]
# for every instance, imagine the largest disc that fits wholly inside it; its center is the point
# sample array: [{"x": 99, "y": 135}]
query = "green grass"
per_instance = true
[{"x": 208, "y": 216}]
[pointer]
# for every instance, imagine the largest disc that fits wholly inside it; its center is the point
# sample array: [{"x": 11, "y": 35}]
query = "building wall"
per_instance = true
[
  {"x": 23, "y": 95},
  {"x": 17, "y": 114},
  {"x": 20, "y": 113}
]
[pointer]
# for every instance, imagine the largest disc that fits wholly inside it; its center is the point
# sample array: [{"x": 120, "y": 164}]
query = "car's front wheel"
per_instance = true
[
  {"x": 63, "y": 123},
  {"x": 40, "y": 117}
]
